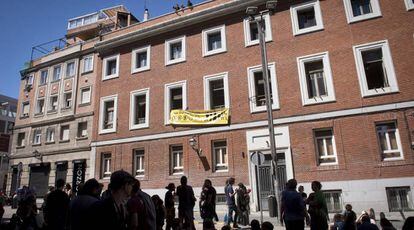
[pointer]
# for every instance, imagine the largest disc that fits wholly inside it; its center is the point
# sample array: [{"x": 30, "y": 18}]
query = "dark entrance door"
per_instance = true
[
  {"x": 61, "y": 170},
  {"x": 14, "y": 179},
  {"x": 39, "y": 178}
]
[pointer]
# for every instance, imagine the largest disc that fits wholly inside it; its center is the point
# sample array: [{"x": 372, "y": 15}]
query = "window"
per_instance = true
[
  {"x": 25, "y": 109},
  {"x": 358, "y": 10},
  {"x": 70, "y": 69},
  {"x": 257, "y": 88},
  {"x": 389, "y": 141},
  {"x": 175, "y": 50},
  {"x": 325, "y": 147},
  {"x": 251, "y": 31},
  {"x": 67, "y": 97},
  {"x": 82, "y": 129},
  {"x": 139, "y": 168},
  {"x": 333, "y": 201},
  {"x": 216, "y": 92},
  {"x": 21, "y": 139},
  {"x": 43, "y": 77},
  {"x": 64, "y": 133},
  {"x": 85, "y": 95},
  {"x": 29, "y": 80},
  {"x": 375, "y": 69},
  {"x": 87, "y": 64},
  {"x": 106, "y": 166},
  {"x": 315, "y": 79},
  {"x": 141, "y": 59},
  {"x": 110, "y": 67},
  {"x": 214, "y": 40},
  {"x": 409, "y": 4},
  {"x": 53, "y": 103},
  {"x": 56, "y": 73},
  {"x": 3, "y": 127},
  {"x": 306, "y": 17},
  {"x": 139, "y": 109},
  {"x": 37, "y": 136},
  {"x": 176, "y": 153},
  {"x": 50, "y": 135},
  {"x": 399, "y": 199},
  {"x": 175, "y": 98},
  {"x": 108, "y": 114},
  {"x": 220, "y": 156},
  {"x": 40, "y": 106}
]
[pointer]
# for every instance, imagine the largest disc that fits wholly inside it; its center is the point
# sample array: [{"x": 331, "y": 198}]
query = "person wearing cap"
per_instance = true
[
  {"x": 169, "y": 205},
  {"x": 110, "y": 213}
]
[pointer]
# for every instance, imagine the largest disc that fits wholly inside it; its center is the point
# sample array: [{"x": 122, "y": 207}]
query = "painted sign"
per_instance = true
[
  {"x": 78, "y": 175},
  {"x": 199, "y": 117}
]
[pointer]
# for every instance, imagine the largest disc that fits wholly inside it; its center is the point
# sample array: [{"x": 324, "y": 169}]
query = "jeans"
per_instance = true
[{"x": 230, "y": 210}]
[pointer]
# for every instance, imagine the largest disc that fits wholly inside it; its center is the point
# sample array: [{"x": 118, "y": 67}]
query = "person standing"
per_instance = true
[
  {"x": 186, "y": 204},
  {"x": 385, "y": 223},
  {"x": 293, "y": 207},
  {"x": 110, "y": 213},
  {"x": 231, "y": 203},
  {"x": 141, "y": 209},
  {"x": 366, "y": 224},
  {"x": 349, "y": 218},
  {"x": 57, "y": 207},
  {"x": 169, "y": 206},
  {"x": 302, "y": 193},
  {"x": 242, "y": 203},
  {"x": 159, "y": 211},
  {"x": 208, "y": 202},
  {"x": 317, "y": 208}
]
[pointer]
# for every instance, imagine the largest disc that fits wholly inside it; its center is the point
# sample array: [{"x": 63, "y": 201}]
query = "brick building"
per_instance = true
[
  {"x": 53, "y": 130},
  {"x": 343, "y": 98}
]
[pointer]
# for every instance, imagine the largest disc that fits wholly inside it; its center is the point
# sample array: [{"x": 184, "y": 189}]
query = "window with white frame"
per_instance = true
[
  {"x": 106, "y": 165},
  {"x": 56, "y": 73},
  {"x": 50, "y": 135},
  {"x": 358, "y": 10},
  {"x": 175, "y": 50},
  {"x": 325, "y": 147},
  {"x": 87, "y": 64},
  {"x": 375, "y": 68},
  {"x": 139, "y": 163},
  {"x": 64, "y": 133},
  {"x": 25, "y": 109},
  {"x": 214, "y": 40},
  {"x": 175, "y": 98},
  {"x": 85, "y": 95},
  {"x": 409, "y": 4},
  {"x": 220, "y": 156},
  {"x": 108, "y": 114},
  {"x": 67, "y": 100},
  {"x": 37, "y": 136},
  {"x": 53, "y": 103},
  {"x": 333, "y": 200},
  {"x": 399, "y": 199},
  {"x": 43, "y": 77},
  {"x": 21, "y": 139},
  {"x": 306, "y": 17},
  {"x": 110, "y": 67},
  {"x": 82, "y": 129},
  {"x": 389, "y": 141},
  {"x": 216, "y": 91},
  {"x": 139, "y": 109},
  {"x": 141, "y": 59},
  {"x": 70, "y": 69},
  {"x": 315, "y": 77},
  {"x": 40, "y": 106},
  {"x": 251, "y": 31},
  {"x": 176, "y": 159},
  {"x": 257, "y": 88},
  {"x": 29, "y": 80}
]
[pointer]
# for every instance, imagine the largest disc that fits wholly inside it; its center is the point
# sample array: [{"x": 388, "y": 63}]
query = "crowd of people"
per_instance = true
[{"x": 124, "y": 206}]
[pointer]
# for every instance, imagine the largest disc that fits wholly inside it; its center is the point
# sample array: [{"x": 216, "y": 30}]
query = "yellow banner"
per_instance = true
[{"x": 199, "y": 117}]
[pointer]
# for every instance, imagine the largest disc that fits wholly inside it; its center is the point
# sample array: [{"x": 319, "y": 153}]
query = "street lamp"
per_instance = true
[
  {"x": 195, "y": 145},
  {"x": 256, "y": 16}
]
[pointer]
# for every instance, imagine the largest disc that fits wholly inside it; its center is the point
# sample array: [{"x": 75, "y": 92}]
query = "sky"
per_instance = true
[{"x": 27, "y": 23}]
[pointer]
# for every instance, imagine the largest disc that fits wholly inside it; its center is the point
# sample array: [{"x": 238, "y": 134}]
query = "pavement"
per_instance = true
[{"x": 199, "y": 224}]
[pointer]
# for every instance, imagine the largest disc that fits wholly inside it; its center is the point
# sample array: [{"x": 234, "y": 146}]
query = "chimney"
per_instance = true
[{"x": 146, "y": 15}]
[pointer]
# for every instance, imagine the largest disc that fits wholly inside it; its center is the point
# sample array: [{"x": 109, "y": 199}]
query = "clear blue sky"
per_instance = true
[{"x": 26, "y": 23}]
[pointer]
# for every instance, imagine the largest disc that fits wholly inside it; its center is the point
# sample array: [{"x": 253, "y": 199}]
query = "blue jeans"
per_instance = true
[{"x": 230, "y": 209}]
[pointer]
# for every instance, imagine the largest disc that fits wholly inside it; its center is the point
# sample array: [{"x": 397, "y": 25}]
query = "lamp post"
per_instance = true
[{"x": 257, "y": 17}]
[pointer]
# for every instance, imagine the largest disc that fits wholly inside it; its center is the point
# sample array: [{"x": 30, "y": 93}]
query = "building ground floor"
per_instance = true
[{"x": 364, "y": 158}]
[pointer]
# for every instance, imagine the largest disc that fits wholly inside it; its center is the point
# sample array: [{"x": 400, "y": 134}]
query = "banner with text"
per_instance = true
[{"x": 199, "y": 117}]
